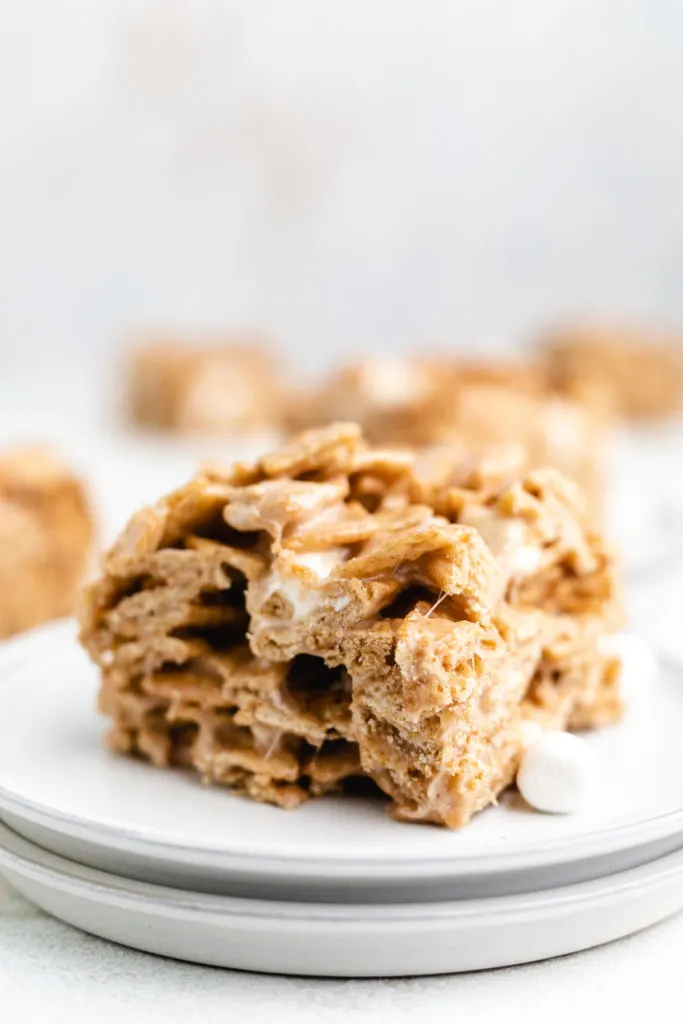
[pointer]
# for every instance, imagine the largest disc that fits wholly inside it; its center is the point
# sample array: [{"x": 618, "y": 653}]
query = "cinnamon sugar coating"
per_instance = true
[
  {"x": 46, "y": 534},
  {"x": 336, "y": 610}
]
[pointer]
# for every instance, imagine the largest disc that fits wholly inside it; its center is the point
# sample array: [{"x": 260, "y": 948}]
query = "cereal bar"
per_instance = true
[
  {"x": 339, "y": 611},
  {"x": 639, "y": 375},
  {"x": 210, "y": 389},
  {"x": 46, "y": 533}
]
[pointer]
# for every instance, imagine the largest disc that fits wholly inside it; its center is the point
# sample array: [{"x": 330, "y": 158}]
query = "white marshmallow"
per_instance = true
[
  {"x": 639, "y": 666},
  {"x": 302, "y": 600},
  {"x": 322, "y": 562},
  {"x": 558, "y": 771}
]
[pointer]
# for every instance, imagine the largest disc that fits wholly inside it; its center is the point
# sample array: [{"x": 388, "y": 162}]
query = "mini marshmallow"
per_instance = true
[
  {"x": 638, "y": 659},
  {"x": 558, "y": 771},
  {"x": 322, "y": 562}
]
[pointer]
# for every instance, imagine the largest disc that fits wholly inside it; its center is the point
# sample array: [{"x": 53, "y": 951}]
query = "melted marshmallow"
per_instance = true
[
  {"x": 322, "y": 562},
  {"x": 302, "y": 599},
  {"x": 507, "y": 540}
]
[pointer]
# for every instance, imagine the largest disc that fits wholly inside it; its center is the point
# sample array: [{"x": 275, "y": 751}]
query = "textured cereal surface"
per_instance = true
[{"x": 338, "y": 610}]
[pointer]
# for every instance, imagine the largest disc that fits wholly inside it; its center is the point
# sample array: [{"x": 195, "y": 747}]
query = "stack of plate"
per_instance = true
[{"x": 155, "y": 860}]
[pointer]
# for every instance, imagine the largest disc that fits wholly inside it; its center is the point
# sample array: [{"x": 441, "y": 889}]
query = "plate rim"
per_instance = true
[
  {"x": 255, "y": 860},
  {"x": 20, "y": 854}
]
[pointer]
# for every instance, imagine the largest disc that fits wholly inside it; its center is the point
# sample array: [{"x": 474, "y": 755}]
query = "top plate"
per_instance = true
[{"x": 60, "y": 787}]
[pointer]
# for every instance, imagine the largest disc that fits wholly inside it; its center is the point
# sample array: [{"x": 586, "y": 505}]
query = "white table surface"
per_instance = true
[{"x": 49, "y": 971}]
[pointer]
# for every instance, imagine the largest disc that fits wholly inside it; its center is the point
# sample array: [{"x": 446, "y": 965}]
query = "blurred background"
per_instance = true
[
  {"x": 378, "y": 175},
  {"x": 341, "y": 174}
]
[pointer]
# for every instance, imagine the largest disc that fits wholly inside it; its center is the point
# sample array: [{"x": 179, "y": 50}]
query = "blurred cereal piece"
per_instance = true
[
  {"x": 513, "y": 374},
  {"x": 396, "y": 399},
  {"x": 639, "y": 374},
  {"x": 532, "y": 376},
  {"x": 217, "y": 389},
  {"x": 46, "y": 535},
  {"x": 474, "y": 404},
  {"x": 548, "y": 429}
]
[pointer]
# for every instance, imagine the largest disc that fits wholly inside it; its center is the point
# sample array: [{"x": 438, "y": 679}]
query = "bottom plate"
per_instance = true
[
  {"x": 60, "y": 788},
  {"x": 344, "y": 941}
]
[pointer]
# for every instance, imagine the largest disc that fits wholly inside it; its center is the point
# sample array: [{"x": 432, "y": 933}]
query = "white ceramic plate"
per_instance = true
[
  {"x": 60, "y": 787},
  {"x": 344, "y": 941}
]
